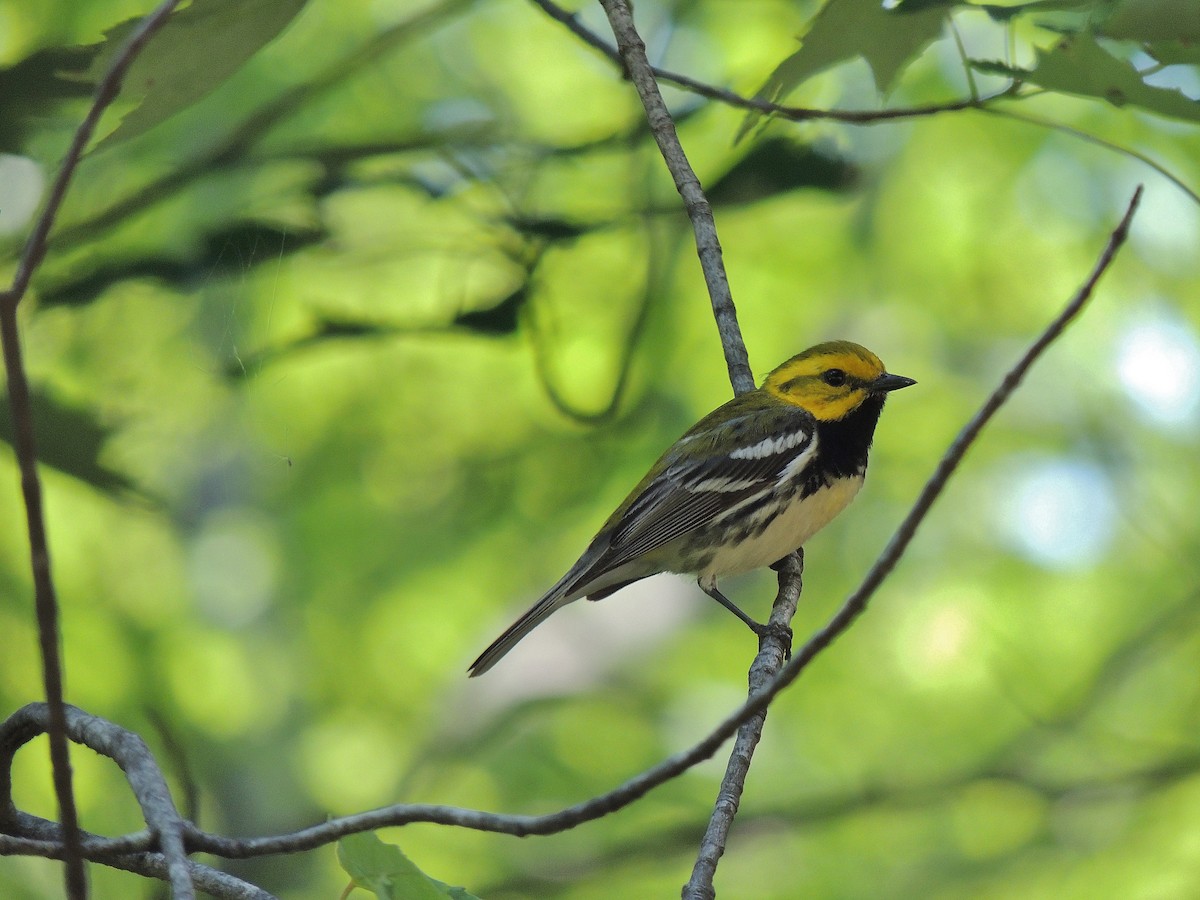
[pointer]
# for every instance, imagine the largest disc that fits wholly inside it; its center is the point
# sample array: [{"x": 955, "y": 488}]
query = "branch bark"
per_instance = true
[
  {"x": 31, "y": 834},
  {"x": 708, "y": 247},
  {"x": 729, "y": 797},
  {"x": 776, "y": 643}
]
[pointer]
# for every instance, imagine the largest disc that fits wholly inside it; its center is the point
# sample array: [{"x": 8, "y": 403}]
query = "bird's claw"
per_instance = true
[{"x": 777, "y": 630}]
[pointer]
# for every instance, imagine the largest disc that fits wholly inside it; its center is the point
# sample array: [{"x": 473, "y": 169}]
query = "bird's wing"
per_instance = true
[{"x": 696, "y": 484}]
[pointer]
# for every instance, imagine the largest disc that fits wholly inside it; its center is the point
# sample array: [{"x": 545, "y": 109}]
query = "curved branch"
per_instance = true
[
  {"x": 212, "y": 881},
  {"x": 636, "y": 787},
  {"x": 124, "y": 748}
]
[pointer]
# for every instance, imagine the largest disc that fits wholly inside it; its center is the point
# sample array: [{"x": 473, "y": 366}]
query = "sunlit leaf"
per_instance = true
[
  {"x": 1076, "y": 64},
  {"x": 384, "y": 869},
  {"x": 847, "y": 29}
]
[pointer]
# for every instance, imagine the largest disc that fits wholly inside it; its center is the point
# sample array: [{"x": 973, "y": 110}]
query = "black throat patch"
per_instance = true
[{"x": 843, "y": 446}]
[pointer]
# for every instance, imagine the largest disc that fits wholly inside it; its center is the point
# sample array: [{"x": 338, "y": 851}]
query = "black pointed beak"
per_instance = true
[{"x": 885, "y": 383}]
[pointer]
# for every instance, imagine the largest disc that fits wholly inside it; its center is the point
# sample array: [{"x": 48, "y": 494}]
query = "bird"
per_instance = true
[{"x": 745, "y": 486}]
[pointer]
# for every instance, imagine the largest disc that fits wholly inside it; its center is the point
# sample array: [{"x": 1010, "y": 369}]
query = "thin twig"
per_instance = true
[
  {"x": 856, "y": 604},
  {"x": 106, "y": 92},
  {"x": 1016, "y": 90},
  {"x": 758, "y": 104},
  {"x": 25, "y": 445},
  {"x": 633, "y": 54},
  {"x": 1039, "y": 122}
]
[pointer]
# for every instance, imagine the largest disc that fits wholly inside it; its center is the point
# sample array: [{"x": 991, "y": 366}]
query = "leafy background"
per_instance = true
[{"x": 338, "y": 368}]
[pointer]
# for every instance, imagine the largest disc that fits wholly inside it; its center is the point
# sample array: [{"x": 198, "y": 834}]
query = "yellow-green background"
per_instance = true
[{"x": 306, "y": 542}]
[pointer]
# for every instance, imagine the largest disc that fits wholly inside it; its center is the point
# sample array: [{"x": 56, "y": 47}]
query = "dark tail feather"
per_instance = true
[{"x": 537, "y": 614}]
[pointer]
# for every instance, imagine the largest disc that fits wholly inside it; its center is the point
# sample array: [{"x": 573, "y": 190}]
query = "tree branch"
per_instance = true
[
  {"x": 768, "y": 662},
  {"x": 129, "y": 752},
  {"x": 151, "y": 865},
  {"x": 757, "y": 104},
  {"x": 775, "y": 644},
  {"x": 45, "y": 601},
  {"x": 708, "y": 247}
]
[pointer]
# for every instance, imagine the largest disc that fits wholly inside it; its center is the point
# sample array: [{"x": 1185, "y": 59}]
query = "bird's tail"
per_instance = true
[{"x": 555, "y": 599}]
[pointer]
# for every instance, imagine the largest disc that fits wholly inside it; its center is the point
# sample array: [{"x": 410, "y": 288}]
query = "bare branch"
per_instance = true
[
  {"x": 633, "y": 54},
  {"x": 129, "y": 752},
  {"x": 151, "y": 865},
  {"x": 45, "y": 601},
  {"x": 776, "y": 643},
  {"x": 106, "y": 92},
  {"x": 792, "y": 113},
  {"x": 766, "y": 665},
  {"x": 856, "y": 603}
]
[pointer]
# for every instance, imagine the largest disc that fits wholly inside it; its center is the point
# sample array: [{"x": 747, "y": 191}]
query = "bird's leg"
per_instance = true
[{"x": 760, "y": 630}]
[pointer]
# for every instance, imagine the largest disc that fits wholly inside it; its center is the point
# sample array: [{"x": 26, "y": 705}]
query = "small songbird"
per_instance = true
[{"x": 744, "y": 487}]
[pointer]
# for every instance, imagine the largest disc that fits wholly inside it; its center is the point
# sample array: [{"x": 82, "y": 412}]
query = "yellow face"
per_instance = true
[{"x": 829, "y": 380}]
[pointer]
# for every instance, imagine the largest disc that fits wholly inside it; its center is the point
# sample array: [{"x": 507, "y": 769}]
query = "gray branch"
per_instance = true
[
  {"x": 708, "y": 247},
  {"x": 729, "y": 797},
  {"x": 768, "y": 107}
]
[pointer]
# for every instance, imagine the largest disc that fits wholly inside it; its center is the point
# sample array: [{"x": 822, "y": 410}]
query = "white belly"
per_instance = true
[{"x": 786, "y": 532}]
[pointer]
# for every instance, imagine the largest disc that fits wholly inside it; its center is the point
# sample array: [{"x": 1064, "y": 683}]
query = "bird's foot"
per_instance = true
[{"x": 777, "y": 631}]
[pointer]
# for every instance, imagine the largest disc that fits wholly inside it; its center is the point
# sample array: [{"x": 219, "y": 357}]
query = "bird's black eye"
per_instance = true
[{"x": 833, "y": 377}]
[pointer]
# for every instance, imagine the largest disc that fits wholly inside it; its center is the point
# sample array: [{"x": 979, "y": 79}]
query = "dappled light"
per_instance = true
[{"x": 338, "y": 367}]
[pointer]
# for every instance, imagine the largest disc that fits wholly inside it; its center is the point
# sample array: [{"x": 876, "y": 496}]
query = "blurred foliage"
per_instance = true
[{"x": 340, "y": 366}]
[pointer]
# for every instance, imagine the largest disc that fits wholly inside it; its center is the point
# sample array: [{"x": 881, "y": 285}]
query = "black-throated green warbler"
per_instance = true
[{"x": 745, "y": 486}]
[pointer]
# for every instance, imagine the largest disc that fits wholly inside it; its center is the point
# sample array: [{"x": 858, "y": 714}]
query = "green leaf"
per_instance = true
[
  {"x": 888, "y": 40},
  {"x": 1175, "y": 53},
  {"x": 384, "y": 869},
  {"x": 198, "y": 48},
  {"x": 845, "y": 29},
  {"x": 1153, "y": 20},
  {"x": 1076, "y": 64},
  {"x": 1008, "y": 13}
]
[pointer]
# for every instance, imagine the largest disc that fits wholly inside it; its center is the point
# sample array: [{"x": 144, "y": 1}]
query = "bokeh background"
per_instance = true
[{"x": 338, "y": 369}]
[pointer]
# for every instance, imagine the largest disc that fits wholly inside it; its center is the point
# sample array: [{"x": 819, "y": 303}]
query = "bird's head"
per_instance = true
[{"x": 832, "y": 380}]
